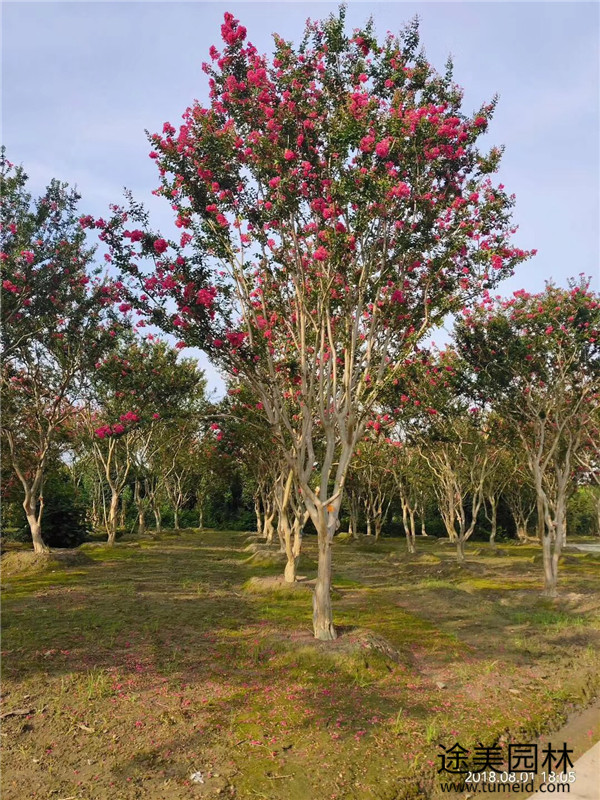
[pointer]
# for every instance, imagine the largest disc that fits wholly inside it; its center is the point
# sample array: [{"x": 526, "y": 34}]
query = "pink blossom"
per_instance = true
[
  {"x": 235, "y": 338},
  {"x": 400, "y": 190},
  {"x": 289, "y": 155},
  {"x": 274, "y": 182},
  {"x": 321, "y": 253},
  {"x": 206, "y": 297},
  {"x": 382, "y": 148},
  {"x": 160, "y": 245},
  {"x": 366, "y": 143}
]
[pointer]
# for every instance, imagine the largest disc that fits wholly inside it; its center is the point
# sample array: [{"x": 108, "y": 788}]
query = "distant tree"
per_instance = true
[
  {"x": 56, "y": 323},
  {"x": 535, "y": 359},
  {"x": 138, "y": 390}
]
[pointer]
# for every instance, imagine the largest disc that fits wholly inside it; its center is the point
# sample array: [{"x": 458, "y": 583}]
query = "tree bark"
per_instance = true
[
  {"x": 35, "y": 523},
  {"x": 353, "y": 526},
  {"x": 322, "y": 608},
  {"x": 176, "y": 518},
  {"x": 493, "y": 518},
  {"x": 112, "y": 516},
  {"x": 259, "y": 522}
]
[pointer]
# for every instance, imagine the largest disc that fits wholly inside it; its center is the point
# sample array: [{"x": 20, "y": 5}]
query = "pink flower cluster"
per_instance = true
[
  {"x": 206, "y": 297},
  {"x": 116, "y": 430},
  {"x": 231, "y": 30}
]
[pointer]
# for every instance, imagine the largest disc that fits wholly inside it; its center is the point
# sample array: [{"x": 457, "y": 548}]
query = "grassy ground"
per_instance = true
[{"x": 143, "y": 664}]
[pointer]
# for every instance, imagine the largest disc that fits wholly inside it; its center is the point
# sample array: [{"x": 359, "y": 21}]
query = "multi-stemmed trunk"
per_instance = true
[
  {"x": 33, "y": 502},
  {"x": 290, "y": 532}
]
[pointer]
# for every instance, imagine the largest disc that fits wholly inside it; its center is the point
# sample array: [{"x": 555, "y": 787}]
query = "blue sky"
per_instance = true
[{"x": 82, "y": 80}]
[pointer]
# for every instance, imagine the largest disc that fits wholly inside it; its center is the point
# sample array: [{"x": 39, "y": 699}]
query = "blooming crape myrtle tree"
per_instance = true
[
  {"x": 589, "y": 460},
  {"x": 137, "y": 392},
  {"x": 334, "y": 207},
  {"x": 57, "y": 321},
  {"x": 536, "y": 359}
]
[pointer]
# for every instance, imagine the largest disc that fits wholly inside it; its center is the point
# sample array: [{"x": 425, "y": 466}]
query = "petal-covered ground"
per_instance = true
[{"x": 181, "y": 667}]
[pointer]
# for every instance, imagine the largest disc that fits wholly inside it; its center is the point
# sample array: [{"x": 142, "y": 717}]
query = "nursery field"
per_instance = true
[{"x": 181, "y": 666}]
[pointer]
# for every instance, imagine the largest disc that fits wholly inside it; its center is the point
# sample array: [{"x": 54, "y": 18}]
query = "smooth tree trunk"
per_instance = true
[
  {"x": 423, "y": 531},
  {"x": 139, "y": 504},
  {"x": 281, "y": 533},
  {"x": 493, "y": 518},
  {"x": 322, "y": 607},
  {"x": 112, "y": 516},
  {"x": 157, "y": 519},
  {"x": 293, "y": 546},
  {"x": 123, "y": 512},
  {"x": 33, "y": 512},
  {"x": 409, "y": 526},
  {"x": 353, "y": 524},
  {"x": 259, "y": 522},
  {"x": 176, "y": 518},
  {"x": 552, "y": 545},
  {"x": 378, "y": 524},
  {"x": 269, "y": 528}
]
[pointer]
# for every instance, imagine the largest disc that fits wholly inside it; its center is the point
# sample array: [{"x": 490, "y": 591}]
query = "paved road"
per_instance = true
[{"x": 587, "y": 783}]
